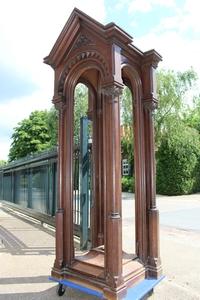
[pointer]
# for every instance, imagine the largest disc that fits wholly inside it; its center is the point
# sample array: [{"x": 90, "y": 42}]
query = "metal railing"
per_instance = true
[
  {"x": 30, "y": 185},
  {"x": 31, "y": 182}
]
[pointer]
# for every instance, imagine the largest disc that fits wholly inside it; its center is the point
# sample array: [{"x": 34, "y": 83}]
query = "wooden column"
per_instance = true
[
  {"x": 58, "y": 264},
  {"x": 112, "y": 160},
  {"x": 99, "y": 170},
  {"x": 149, "y": 101},
  {"x": 140, "y": 180},
  {"x": 97, "y": 210},
  {"x": 152, "y": 211},
  {"x": 68, "y": 180},
  {"x": 64, "y": 221}
]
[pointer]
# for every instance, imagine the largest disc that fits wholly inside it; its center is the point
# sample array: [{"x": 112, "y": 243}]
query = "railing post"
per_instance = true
[{"x": 84, "y": 183}]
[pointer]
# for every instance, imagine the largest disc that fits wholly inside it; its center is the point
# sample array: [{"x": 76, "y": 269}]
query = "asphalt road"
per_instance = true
[{"x": 182, "y": 212}]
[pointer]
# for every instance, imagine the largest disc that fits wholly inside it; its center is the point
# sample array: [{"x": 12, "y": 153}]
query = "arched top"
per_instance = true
[
  {"x": 132, "y": 79},
  {"x": 78, "y": 62}
]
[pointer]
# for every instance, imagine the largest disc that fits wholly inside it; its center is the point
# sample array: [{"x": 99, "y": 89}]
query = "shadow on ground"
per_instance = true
[
  {"x": 49, "y": 294},
  {"x": 10, "y": 243}
]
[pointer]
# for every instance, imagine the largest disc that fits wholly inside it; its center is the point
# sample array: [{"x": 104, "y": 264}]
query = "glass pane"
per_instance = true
[{"x": 39, "y": 189}]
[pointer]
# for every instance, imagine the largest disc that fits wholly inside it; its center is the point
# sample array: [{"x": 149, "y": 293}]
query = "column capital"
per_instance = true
[
  {"x": 150, "y": 104},
  {"x": 114, "y": 90},
  {"x": 59, "y": 102}
]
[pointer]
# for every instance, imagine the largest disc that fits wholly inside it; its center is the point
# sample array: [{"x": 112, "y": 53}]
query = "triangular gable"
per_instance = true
[{"x": 71, "y": 37}]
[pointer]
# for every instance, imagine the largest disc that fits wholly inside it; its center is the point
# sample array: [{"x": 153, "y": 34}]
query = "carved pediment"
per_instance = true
[{"x": 73, "y": 32}]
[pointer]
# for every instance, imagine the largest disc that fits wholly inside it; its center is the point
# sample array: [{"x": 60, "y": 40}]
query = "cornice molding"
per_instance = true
[{"x": 151, "y": 57}]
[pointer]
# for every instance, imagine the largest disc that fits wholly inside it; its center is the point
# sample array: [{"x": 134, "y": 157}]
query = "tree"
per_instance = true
[
  {"x": 127, "y": 141},
  {"x": 52, "y": 125},
  {"x": 177, "y": 144},
  {"x": 126, "y": 107},
  {"x": 80, "y": 109},
  {"x": 178, "y": 158},
  {"x": 30, "y": 136},
  {"x": 172, "y": 88},
  {"x": 192, "y": 115},
  {"x": 2, "y": 163},
  {"x": 40, "y": 131}
]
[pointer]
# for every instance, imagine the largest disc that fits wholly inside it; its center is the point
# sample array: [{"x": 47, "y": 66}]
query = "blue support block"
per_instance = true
[
  {"x": 142, "y": 289},
  {"x": 138, "y": 292},
  {"x": 78, "y": 287}
]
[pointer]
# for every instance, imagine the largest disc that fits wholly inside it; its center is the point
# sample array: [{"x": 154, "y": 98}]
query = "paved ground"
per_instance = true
[{"x": 27, "y": 254}]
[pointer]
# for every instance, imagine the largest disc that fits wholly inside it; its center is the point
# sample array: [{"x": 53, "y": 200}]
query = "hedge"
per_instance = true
[
  {"x": 178, "y": 163},
  {"x": 128, "y": 184}
]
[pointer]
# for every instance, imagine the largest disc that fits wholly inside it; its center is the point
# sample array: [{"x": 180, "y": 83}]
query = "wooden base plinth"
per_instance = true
[{"x": 88, "y": 270}]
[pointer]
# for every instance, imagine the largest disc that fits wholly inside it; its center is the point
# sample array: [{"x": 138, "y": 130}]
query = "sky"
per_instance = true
[{"x": 29, "y": 29}]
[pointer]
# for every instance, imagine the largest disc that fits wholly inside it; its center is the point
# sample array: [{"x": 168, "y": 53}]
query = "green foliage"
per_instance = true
[
  {"x": 30, "y": 136},
  {"x": 128, "y": 184},
  {"x": 52, "y": 126},
  {"x": 192, "y": 115},
  {"x": 2, "y": 163},
  {"x": 80, "y": 109},
  {"x": 178, "y": 162},
  {"x": 40, "y": 131},
  {"x": 127, "y": 151},
  {"x": 172, "y": 88},
  {"x": 126, "y": 107},
  {"x": 178, "y": 147},
  {"x": 127, "y": 140}
]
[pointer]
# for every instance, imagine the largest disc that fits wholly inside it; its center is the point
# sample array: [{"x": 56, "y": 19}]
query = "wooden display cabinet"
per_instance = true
[{"x": 104, "y": 59}]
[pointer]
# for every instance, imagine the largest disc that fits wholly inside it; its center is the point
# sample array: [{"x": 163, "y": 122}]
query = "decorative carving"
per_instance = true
[
  {"x": 150, "y": 105},
  {"x": 82, "y": 41},
  {"x": 82, "y": 56},
  {"x": 59, "y": 102},
  {"x": 114, "y": 281},
  {"x": 112, "y": 90}
]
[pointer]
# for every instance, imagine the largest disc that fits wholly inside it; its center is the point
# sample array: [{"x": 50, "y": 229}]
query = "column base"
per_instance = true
[{"x": 154, "y": 267}]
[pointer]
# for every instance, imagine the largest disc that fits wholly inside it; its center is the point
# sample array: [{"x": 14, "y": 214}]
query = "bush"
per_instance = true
[
  {"x": 178, "y": 163},
  {"x": 128, "y": 184}
]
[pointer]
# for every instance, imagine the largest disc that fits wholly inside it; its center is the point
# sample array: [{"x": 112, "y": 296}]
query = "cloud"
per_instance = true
[
  {"x": 147, "y": 5},
  {"x": 28, "y": 31},
  {"x": 142, "y": 6},
  {"x": 185, "y": 20},
  {"x": 5, "y": 146},
  {"x": 178, "y": 52},
  {"x": 17, "y": 109},
  {"x": 12, "y": 85}
]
